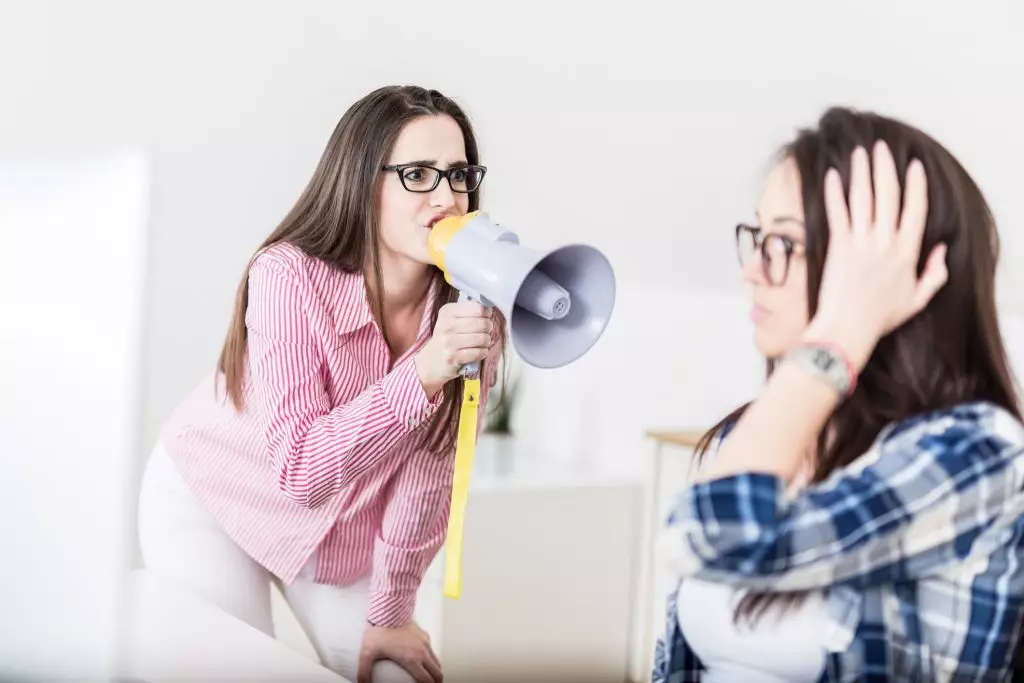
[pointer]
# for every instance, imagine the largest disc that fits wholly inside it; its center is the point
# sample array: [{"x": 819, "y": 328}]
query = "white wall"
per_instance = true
[{"x": 641, "y": 128}]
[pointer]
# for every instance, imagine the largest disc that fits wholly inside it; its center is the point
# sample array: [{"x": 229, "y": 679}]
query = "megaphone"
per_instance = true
[{"x": 557, "y": 303}]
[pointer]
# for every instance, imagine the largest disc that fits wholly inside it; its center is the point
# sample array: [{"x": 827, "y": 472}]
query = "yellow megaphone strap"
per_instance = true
[{"x": 465, "y": 447}]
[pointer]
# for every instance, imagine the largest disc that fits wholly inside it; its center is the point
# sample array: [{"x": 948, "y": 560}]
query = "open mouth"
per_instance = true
[{"x": 433, "y": 221}]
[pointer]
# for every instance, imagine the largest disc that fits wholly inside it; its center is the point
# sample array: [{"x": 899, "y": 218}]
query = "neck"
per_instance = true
[{"x": 406, "y": 284}]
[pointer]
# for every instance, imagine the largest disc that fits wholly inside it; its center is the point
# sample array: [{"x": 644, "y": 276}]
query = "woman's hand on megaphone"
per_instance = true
[{"x": 462, "y": 335}]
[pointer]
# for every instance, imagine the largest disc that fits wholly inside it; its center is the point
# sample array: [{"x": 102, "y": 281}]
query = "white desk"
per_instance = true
[{"x": 173, "y": 636}]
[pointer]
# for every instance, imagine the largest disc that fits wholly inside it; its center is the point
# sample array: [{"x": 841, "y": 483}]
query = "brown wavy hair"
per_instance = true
[
  {"x": 950, "y": 353},
  {"x": 335, "y": 220}
]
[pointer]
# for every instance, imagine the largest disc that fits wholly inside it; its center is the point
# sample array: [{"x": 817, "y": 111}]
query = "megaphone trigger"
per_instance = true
[{"x": 469, "y": 369}]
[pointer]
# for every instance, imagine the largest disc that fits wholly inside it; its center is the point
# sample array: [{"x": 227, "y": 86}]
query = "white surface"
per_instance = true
[
  {"x": 657, "y": 119},
  {"x": 177, "y": 637},
  {"x": 72, "y": 247},
  {"x": 547, "y": 583}
]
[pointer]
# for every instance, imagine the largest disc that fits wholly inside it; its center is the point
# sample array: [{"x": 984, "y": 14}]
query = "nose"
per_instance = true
[
  {"x": 752, "y": 270},
  {"x": 442, "y": 196}
]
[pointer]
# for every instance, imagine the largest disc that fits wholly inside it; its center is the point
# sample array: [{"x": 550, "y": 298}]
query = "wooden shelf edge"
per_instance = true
[{"x": 684, "y": 437}]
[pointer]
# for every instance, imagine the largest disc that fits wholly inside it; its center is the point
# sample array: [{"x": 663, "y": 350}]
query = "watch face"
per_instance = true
[
  {"x": 827, "y": 364},
  {"x": 824, "y": 360}
]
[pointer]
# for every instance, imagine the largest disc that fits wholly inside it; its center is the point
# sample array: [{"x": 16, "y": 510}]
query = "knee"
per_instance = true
[{"x": 387, "y": 671}]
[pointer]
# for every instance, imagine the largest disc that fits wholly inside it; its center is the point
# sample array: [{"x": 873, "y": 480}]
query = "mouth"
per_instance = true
[{"x": 434, "y": 220}]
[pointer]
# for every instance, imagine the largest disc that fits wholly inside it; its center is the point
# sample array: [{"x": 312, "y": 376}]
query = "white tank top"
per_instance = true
[{"x": 780, "y": 647}]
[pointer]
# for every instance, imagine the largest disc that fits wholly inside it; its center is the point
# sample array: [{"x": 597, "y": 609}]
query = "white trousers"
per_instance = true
[{"x": 182, "y": 542}]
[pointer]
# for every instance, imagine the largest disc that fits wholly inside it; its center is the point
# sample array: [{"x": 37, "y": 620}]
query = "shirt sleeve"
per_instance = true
[
  {"x": 317, "y": 449},
  {"x": 416, "y": 523},
  {"x": 925, "y": 497}
]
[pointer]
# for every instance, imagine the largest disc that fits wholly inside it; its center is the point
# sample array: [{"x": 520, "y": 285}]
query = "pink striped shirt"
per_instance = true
[{"x": 325, "y": 454}]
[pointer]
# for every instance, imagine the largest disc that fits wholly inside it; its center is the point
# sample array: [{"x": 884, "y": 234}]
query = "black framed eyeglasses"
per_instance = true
[
  {"x": 776, "y": 251},
  {"x": 420, "y": 178}
]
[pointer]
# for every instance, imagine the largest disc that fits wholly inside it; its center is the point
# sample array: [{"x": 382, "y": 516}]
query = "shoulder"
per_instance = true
[
  {"x": 284, "y": 278},
  {"x": 286, "y": 259},
  {"x": 299, "y": 272},
  {"x": 980, "y": 428},
  {"x": 967, "y": 445}
]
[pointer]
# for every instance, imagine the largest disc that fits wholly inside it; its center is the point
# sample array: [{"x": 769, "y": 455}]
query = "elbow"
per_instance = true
[
  {"x": 751, "y": 563},
  {"x": 300, "y": 498},
  {"x": 298, "y": 495},
  {"x": 749, "y": 552},
  {"x": 736, "y": 525},
  {"x": 301, "y": 478},
  {"x": 303, "y": 497},
  {"x": 742, "y": 550},
  {"x": 300, "y": 488}
]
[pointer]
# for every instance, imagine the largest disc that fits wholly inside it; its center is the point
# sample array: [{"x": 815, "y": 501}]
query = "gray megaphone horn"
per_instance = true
[{"x": 557, "y": 303}]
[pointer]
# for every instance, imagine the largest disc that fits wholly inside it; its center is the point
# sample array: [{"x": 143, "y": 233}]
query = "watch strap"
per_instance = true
[{"x": 827, "y": 362}]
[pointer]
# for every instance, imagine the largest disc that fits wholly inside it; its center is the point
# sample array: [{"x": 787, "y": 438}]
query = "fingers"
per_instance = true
[
  {"x": 469, "y": 334},
  {"x": 364, "y": 674},
  {"x": 861, "y": 196},
  {"x": 437, "y": 671},
  {"x": 433, "y": 656},
  {"x": 878, "y": 209},
  {"x": 473, "y": 341},
  {"x": 433, "y": 667},
  {"x": 915, "y": 210},
  {"x": 463, "y": 356},
  {"x": 887, "y": 191},
  {"x": 464, "y": 317},
  {"x": 935, "y": 275},
  {"x": 835, "y": 206},
  {"x": 419, "y": 672},
  {"x": 471, "y": 326},
  {"x": 468, "y": 309}
]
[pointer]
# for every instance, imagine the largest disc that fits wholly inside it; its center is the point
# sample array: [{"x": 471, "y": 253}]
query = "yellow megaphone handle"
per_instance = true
[{"x": 465, "y": 447}]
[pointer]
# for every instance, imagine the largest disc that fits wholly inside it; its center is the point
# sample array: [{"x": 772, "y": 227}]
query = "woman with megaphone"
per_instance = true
[
  {"x": 318, "y": 454},
  {"x": 863, "y": 518}
]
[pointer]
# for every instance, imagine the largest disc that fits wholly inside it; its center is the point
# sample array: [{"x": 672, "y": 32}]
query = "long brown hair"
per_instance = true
[
  {"x": 335, "y": 221},
  {"x": 950, "y": 353}
]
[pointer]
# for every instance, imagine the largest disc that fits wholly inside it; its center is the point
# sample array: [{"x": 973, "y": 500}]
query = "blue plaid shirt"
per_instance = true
[{"x": 917, "y": 546}]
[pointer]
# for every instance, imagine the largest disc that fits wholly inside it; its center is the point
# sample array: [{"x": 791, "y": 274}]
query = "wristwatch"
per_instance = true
[{"x": 826, "y": 363}]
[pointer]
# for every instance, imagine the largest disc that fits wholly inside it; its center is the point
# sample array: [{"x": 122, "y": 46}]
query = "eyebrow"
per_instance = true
[
  {"x": 433, "y": 162},
  {"x": 782, "y": 219}
]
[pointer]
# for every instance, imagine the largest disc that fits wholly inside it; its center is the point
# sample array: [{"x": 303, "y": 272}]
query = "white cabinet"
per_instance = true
[{"x": 547, "y": 581}]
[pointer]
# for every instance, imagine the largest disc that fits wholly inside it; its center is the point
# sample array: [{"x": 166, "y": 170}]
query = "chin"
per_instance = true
[
  {"x": 768, "y": 345},
  {"x": 423, "y": 258}
]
